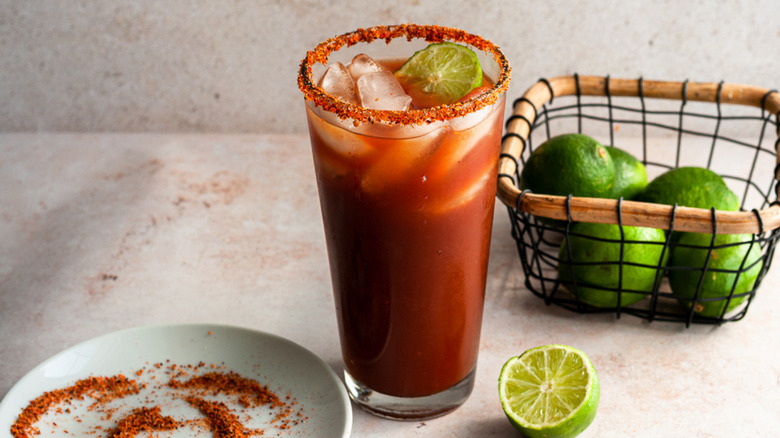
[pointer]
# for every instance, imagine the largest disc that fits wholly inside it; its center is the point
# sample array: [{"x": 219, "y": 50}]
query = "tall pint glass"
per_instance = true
[{"x": 407, "y": 202}]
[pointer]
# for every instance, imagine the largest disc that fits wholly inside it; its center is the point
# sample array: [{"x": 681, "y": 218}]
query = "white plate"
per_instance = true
[{"x": 285, "y": 367}]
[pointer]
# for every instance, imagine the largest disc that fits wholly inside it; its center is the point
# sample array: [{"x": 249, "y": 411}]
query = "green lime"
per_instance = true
[
  {"x": 630, "y": 174},
  {"x": 549, "y": 391},
  {"x": 446, "y": 71},
  {"x": 724, "y": 264},
  {"x": 570, "y": 164},
  {"x": 690, "y": 187},
  {"x": 593, "y": 274}
]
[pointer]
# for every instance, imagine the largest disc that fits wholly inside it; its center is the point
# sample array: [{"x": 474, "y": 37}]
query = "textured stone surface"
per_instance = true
[
  {"x": 230, "y": 66},
  {"x": 103, "y": 232}
]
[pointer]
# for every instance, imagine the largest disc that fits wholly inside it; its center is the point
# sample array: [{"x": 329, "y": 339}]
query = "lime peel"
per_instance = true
[{"x": 549, "y": 391}]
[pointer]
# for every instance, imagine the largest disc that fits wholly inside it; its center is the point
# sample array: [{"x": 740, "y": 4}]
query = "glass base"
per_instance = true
[{"x": 410, "y": 408}]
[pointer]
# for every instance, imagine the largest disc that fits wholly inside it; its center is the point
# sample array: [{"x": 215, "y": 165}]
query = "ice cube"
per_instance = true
[
  {"x": 459, "y": 148},
  {"x": 335, "y": 134},
  {"x": 338, "y": 83},
  {"x": 363, "y": 64},
  {"x": 382, "y": 91},
  {"x": 399, "y": 160},
  {"x": 471, "y": 120},
  {"x": 459, "y": 199}
]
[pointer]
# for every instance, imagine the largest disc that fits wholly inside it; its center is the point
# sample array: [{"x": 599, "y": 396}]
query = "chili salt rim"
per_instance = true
[{"x": 430, "y": 33}]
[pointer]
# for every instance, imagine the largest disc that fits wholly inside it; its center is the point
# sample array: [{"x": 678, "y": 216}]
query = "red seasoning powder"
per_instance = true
[
  {"x": 220, "y": 419},
  {"x": 102, "y": 389},
  {"x": 251, "y": 393},
  {"x": 142, "y": 420},
  {"x": 247, "y": 393}
]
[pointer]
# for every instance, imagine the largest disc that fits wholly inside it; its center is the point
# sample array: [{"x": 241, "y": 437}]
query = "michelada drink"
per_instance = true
[{"x": 405, "y": 124}]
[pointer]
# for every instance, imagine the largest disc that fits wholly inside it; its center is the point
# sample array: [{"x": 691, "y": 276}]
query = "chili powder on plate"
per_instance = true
[
  {"x": 186, "y": 382},
  {"x": 143, "y": 419}
]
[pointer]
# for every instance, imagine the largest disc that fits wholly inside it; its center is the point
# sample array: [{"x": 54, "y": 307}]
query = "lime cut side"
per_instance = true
[
  {"x": 549, "y": 391},
  {"x": 445, "y": 70}
]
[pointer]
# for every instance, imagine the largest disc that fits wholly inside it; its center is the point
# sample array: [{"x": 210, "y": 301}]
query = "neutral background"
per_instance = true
[{"x": 230, "y": 65}]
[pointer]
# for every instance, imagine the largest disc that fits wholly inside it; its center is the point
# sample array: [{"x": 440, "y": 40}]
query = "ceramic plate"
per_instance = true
[{"x": 315, "y": 397}]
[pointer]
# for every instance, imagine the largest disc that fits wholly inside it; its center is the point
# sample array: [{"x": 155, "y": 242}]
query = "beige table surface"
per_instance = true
[{"x": 102, "y": 232}]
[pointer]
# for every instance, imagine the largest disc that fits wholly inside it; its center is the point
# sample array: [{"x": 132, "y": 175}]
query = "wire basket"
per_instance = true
[{"x": 726, "y": 128}]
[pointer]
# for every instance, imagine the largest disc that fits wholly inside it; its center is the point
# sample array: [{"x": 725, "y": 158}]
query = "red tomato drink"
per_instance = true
[{"x": 407, "y": 209}]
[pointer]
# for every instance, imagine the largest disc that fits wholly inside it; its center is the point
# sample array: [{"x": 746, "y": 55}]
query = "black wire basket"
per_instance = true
[{"x": 730, "y": 129}]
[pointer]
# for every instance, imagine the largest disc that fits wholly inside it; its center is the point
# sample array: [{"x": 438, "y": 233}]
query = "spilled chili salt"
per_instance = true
[
  {"x": 250, "y": 392},
  {"x": 102, "y": 389},
  {"x": 141, "y": 420},
  {"x": 219, "y": 418},
  {"x": 190, "y": 383}
]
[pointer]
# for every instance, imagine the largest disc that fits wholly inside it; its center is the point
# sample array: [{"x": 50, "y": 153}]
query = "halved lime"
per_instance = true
[
  {"x": 549, "y": 391},
  {"x": 447, "y": 71}
]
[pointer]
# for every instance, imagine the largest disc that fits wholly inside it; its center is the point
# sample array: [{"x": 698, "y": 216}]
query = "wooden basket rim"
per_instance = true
[{"x": 630, "y": 213}]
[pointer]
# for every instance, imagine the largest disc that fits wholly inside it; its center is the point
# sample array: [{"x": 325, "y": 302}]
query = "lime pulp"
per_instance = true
[
  {"x": 446, "y": 71},
  {"x": 549, "y": 391}
]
